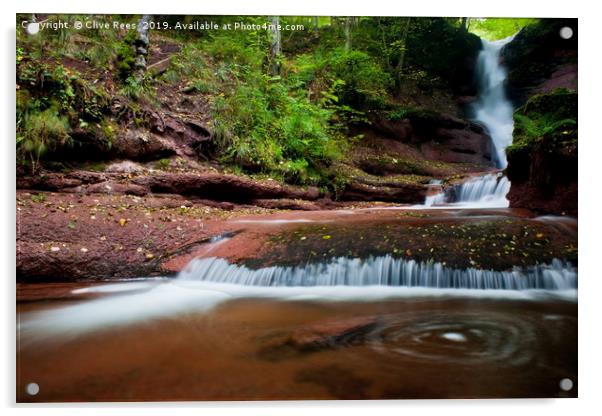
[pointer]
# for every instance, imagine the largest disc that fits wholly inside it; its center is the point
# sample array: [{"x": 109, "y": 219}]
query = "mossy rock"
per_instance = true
[
  {"x": 544, "y": 148},
  {"x": 535, "y": 53}
]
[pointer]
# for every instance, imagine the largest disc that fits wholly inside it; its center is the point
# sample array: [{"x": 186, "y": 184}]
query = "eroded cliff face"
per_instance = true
[
  {"x": 539, "y": 60},
  {"x": 542, "y": 81}
]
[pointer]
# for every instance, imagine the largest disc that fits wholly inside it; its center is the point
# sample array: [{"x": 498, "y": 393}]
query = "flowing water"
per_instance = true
[
  {"x": 365, "y": 326},
  {"x": 493, "y": 109},
  {"x": 344, "y": 328}
]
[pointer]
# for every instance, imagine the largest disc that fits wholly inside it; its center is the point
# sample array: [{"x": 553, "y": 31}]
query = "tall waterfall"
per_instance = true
[
  {"x": 494, "y": 111},
  {"x": 493, "y": 108},
  {"x": 384, "y": 271}
]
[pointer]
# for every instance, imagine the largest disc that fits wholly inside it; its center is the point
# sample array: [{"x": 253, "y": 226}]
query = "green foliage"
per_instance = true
[
  {"x": 137, "y": 89},
  {"x": 498, "y": 27},
  {"x": 264, "y": 127},
  {"x": 545, "y": 118},
  {"x": 441, "y": 49},
  {"x": 51, "y": 101},
  {"x": 163, "y": 164},
  {"x": 39, "y": 132},
  {"x": 38, "y": 198},
  {"x": 350, "y": 78},
  {"x": 126, "y": 57}
]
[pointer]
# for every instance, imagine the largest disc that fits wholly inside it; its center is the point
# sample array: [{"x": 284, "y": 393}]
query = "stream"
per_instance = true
[{"x": 460, "y": 297}]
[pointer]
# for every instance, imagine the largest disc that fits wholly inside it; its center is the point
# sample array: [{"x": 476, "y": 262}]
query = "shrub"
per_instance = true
[
  {"x": 40, "y": 132},
  {"x": 358, "y": 81}
]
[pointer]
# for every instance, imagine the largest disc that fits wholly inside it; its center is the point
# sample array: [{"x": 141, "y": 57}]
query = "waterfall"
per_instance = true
[
  {"x": 383, "y": 271},
  {"x": 487, "y": 191},
  {"x": 490, "y": 190},
  {"x": 493, "y": 109}
]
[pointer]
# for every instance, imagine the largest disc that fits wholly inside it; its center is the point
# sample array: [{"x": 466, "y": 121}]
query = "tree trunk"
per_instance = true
[
  {"x": 404, "y": 39},
  {"x": 348, "y": 33},
  {"x": 315, "y": 22},
  {"x": 464, "y": 23},
  {"x": 141, "y": 44},
  {"x": 275, "y": 45}
]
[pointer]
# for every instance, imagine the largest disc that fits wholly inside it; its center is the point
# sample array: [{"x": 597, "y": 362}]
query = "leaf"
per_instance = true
[
  {"x": 122, "y": 222},
  {"x": 326, "y": 237}
]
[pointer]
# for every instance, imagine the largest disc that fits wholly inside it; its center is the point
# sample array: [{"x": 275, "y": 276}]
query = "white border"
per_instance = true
[{"x": 590, "y": 290}]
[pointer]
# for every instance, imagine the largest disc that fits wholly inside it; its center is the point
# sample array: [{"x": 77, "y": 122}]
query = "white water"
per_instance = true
[
  {"x": 493, "y": 109},
  {"x": 206, "y": 283},
  {"x": 383, "y": 271},
  {"x": 487, "y": 191}
]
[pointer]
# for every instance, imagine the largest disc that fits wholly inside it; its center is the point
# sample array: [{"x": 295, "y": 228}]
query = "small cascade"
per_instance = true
[
  {"x": 383, "y": 271},
  {"x": 487, "y": 191}
]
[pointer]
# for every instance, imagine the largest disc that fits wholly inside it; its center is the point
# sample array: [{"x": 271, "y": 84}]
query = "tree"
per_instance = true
[
  {"x": 275, "y": 45},
  {"x": 348, "y": 21},
  {"x": 402, "y": 52},
  {"x": 141, "y": 44}
]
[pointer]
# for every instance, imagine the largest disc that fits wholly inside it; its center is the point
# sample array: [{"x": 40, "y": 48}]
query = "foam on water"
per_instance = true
[{"x": 191, "y": 292}]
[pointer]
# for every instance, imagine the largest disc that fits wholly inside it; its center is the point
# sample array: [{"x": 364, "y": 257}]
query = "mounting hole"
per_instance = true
[
  {"x": 33, "y": 28},
  {"x": 566, "y": 384},
  {"x": 32, "y": 389},
  {"x": 566, "y": 32}
]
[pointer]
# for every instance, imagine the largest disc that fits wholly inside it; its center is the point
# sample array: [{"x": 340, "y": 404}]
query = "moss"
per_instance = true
[
  {"x": 546, "y": 124},
  {"x": 546, "y": 117},
  {"x": 499, "y": 243}
]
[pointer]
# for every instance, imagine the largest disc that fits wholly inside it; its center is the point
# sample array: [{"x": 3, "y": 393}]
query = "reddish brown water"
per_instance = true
[{"x": 417, "y": 348}]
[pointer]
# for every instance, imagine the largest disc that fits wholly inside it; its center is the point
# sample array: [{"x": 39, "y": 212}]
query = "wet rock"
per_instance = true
[{"x": 334, "y": 333}]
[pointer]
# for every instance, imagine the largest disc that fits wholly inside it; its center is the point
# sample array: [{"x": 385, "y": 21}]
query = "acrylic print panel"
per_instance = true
[{"x": 295, "y": 207}]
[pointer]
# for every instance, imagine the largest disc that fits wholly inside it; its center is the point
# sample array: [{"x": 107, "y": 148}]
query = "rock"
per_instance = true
[
  {"x": 391, "y": 192},
  {"x": 459, "y": 146},
  {"x": 141, "y": 145},
  {"x": 52, "y": 181},
  {"x": 539, "y": 59},
  {"x": 126, "y": 166},
  {"x": 542, "y": 161},
  {"x": 116, "y": 188},
  {"x": 439, "y": 136},
  {"x": 223, "y": 187},
  {"x": 285, "y": 203},
  {"x": 334, "y": 333}
]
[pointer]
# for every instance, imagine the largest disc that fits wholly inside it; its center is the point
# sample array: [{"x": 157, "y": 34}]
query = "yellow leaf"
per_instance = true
[{"x": 122, "y": 222}]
